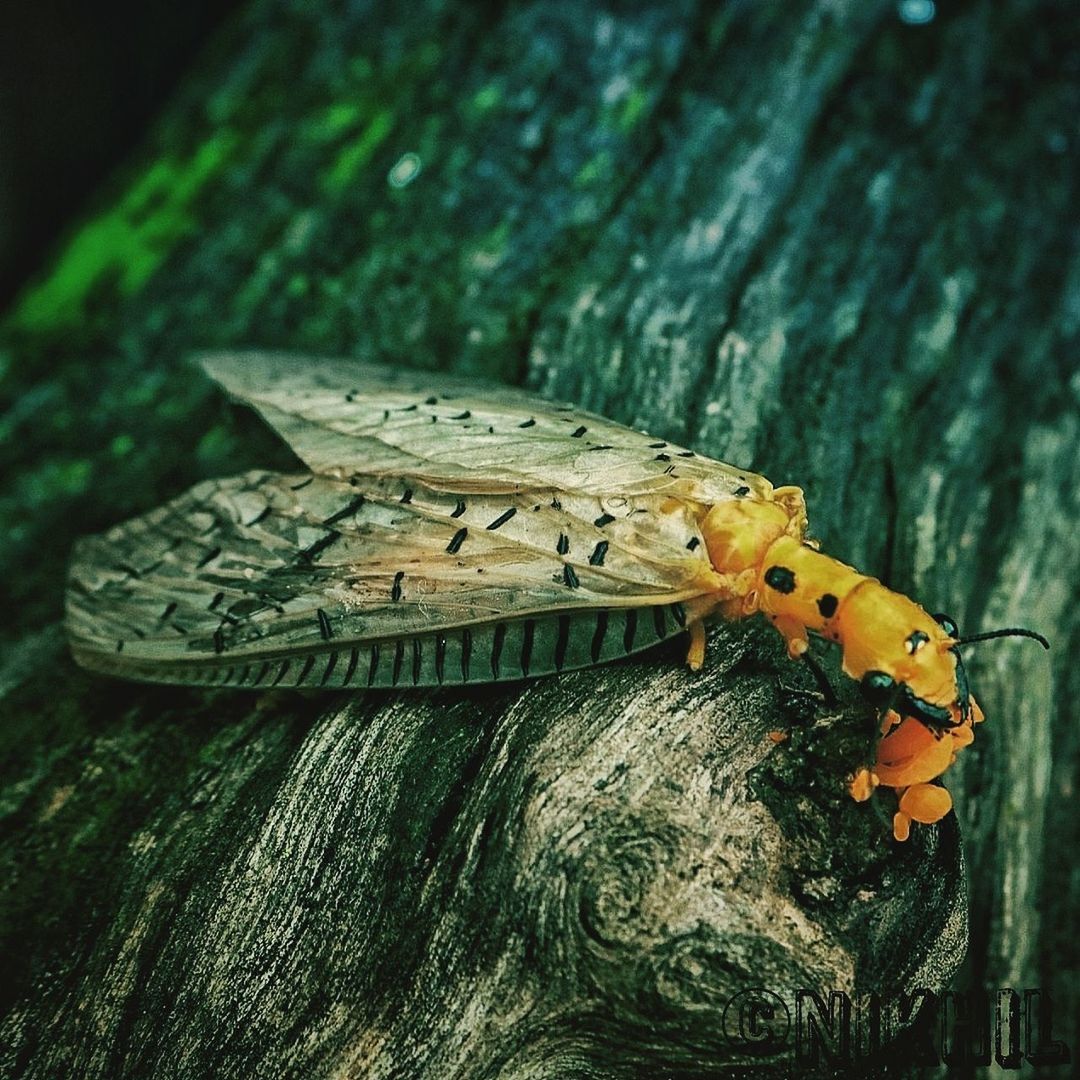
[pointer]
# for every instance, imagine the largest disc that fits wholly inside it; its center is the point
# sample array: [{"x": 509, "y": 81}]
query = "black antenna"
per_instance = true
[{"x": 1014, "y": 631}]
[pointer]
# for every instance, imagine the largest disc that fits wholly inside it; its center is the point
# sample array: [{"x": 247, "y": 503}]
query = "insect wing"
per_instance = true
[
  {"x": 346, "y": 418},
  {"x": 264, "y": 565}
]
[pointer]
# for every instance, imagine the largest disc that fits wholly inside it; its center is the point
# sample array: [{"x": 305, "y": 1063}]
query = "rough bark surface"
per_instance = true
[{"x": 809, "y": 239}]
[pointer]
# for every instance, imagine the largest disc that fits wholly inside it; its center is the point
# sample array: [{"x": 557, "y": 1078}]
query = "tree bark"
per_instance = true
[{"x": 811, "y": 240}]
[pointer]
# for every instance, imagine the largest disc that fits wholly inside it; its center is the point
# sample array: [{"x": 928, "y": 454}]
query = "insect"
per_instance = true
[{"x": 463, "y": 535}]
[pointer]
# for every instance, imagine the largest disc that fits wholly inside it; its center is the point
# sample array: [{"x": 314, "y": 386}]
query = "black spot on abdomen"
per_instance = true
[
  {"x": 827, "y": 605},
  {"x": 780, "y": 578}
]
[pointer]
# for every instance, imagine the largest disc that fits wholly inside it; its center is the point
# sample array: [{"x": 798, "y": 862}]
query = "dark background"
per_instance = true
[{"x": 78, "y": 85}]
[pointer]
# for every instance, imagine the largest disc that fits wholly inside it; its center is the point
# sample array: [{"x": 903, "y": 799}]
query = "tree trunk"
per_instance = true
[{"x": 814, "y": 240}]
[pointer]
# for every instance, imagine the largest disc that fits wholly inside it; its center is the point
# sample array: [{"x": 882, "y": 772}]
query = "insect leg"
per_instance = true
[
  {"x": 794, "y": 633},
  {"x": 822, "y": 680},
  {"x": 695, "y": 656}
]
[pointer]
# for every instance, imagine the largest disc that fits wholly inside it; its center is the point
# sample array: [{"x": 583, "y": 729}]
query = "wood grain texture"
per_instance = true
[{"x": 816, "y": 242}]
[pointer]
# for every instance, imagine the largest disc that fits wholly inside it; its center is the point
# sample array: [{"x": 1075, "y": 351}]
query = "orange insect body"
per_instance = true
[
  {"x": 887, "y": 640},
  {"x": 760, "y": 548},
  {"x": 909, "y": 756}
]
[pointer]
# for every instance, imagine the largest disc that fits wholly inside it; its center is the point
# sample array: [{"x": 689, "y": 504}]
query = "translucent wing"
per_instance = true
[
  {"x": 261, "y": 566},
  {"x": 345, "y": 418}
]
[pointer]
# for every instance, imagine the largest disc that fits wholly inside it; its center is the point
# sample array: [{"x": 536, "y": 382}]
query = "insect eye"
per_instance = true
[
  {"x": 947, "y": 624},
  {"x": 877, "y": 686},
  {"x": 915, "y": 641}
]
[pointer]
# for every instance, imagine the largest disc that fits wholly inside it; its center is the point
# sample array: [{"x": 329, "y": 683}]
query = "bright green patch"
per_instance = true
[
  {"x": 598, "y": 169},
  {"x": 121, "y": 446},
  {"x": 126, "y": 244},
  {"x": 632, "y": 108},
  {"x": 487, "y": 98},
  {"x": 337, "y": 119},
  {"x": 55, "y": 479},
  {"x": 298, "y": 286},
  {"x": 356, "y": 155}
]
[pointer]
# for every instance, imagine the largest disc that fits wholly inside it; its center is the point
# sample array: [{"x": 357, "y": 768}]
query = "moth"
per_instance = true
[{"x": 446, "y": 533}]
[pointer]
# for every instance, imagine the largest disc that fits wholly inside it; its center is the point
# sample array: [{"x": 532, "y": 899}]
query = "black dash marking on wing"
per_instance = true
[
  {"x": 324, "y": 624},
  {"x": 373, "y": 664},
  {"x": 305, "y": 671},
  {"x": 455, "y": 544},
  {"x": 630, "y": 631},
  {"x": 303, "y": 483},
  {"x": 569, "y": 577},
  {"x": 406, "y": 497},
  {"x": 692, "y": 543},
  {"x": 599, "y": 553},
  {"x": 281, "y": 672},
  {"x": 462, "y": 416},
  {"x": 670, "y": 470},
  {"x": 350, "y": 671},
  {"x": 219, "y": 642},
  {"x": 417, "y": 660},
  {"x": 210, "y": 556},
  {"x": 440, "y": 657},
  {"x": 169, "y": 609},
  {"x": 395, "y": 591},
  {"x": 602, "y": 520},
  {"x": 312, "y": 550},
  {"x": 459, "y": 509},
  {"x": 329, "y": 669},
  {"x": 409, "y": 408},
  {"x": 562, "y": 641},
  {"x": 262, "y": 516},
  {"x": 345, "y": 511},
  {"x": 502, "y": 519},
  {"x": 263, "y": 672},
  {"x": 217, "y": 600},
  {"x": 601, "y": 446},
  {"x": 527, "y": 646},
  {"x": 599, "y": 635},
  {"x": 556, "y": 505},
  {"x": 431, "y": 401},
  {"x": 399, "y": 657},
  {"x": 227, "y": 676},
  {"x": 679, "y": 613},
  {"x": 657, "y": 445},
  {"x": 685, "y": 453},
  {"x": 245, "y": 671},
  {"x": 662, "y": 457},
  {"x": 658, "y": 622},
  {"x": 741, "y": 491},
  {"x": 528, "y": 423},
  {"x": 563, "y": 546},
  {"x": 578, "y": 432},
  {"x": 466, "y": 653},
  {"x": 119, "y": 646},
  {"x": 496, "y": 648}
]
